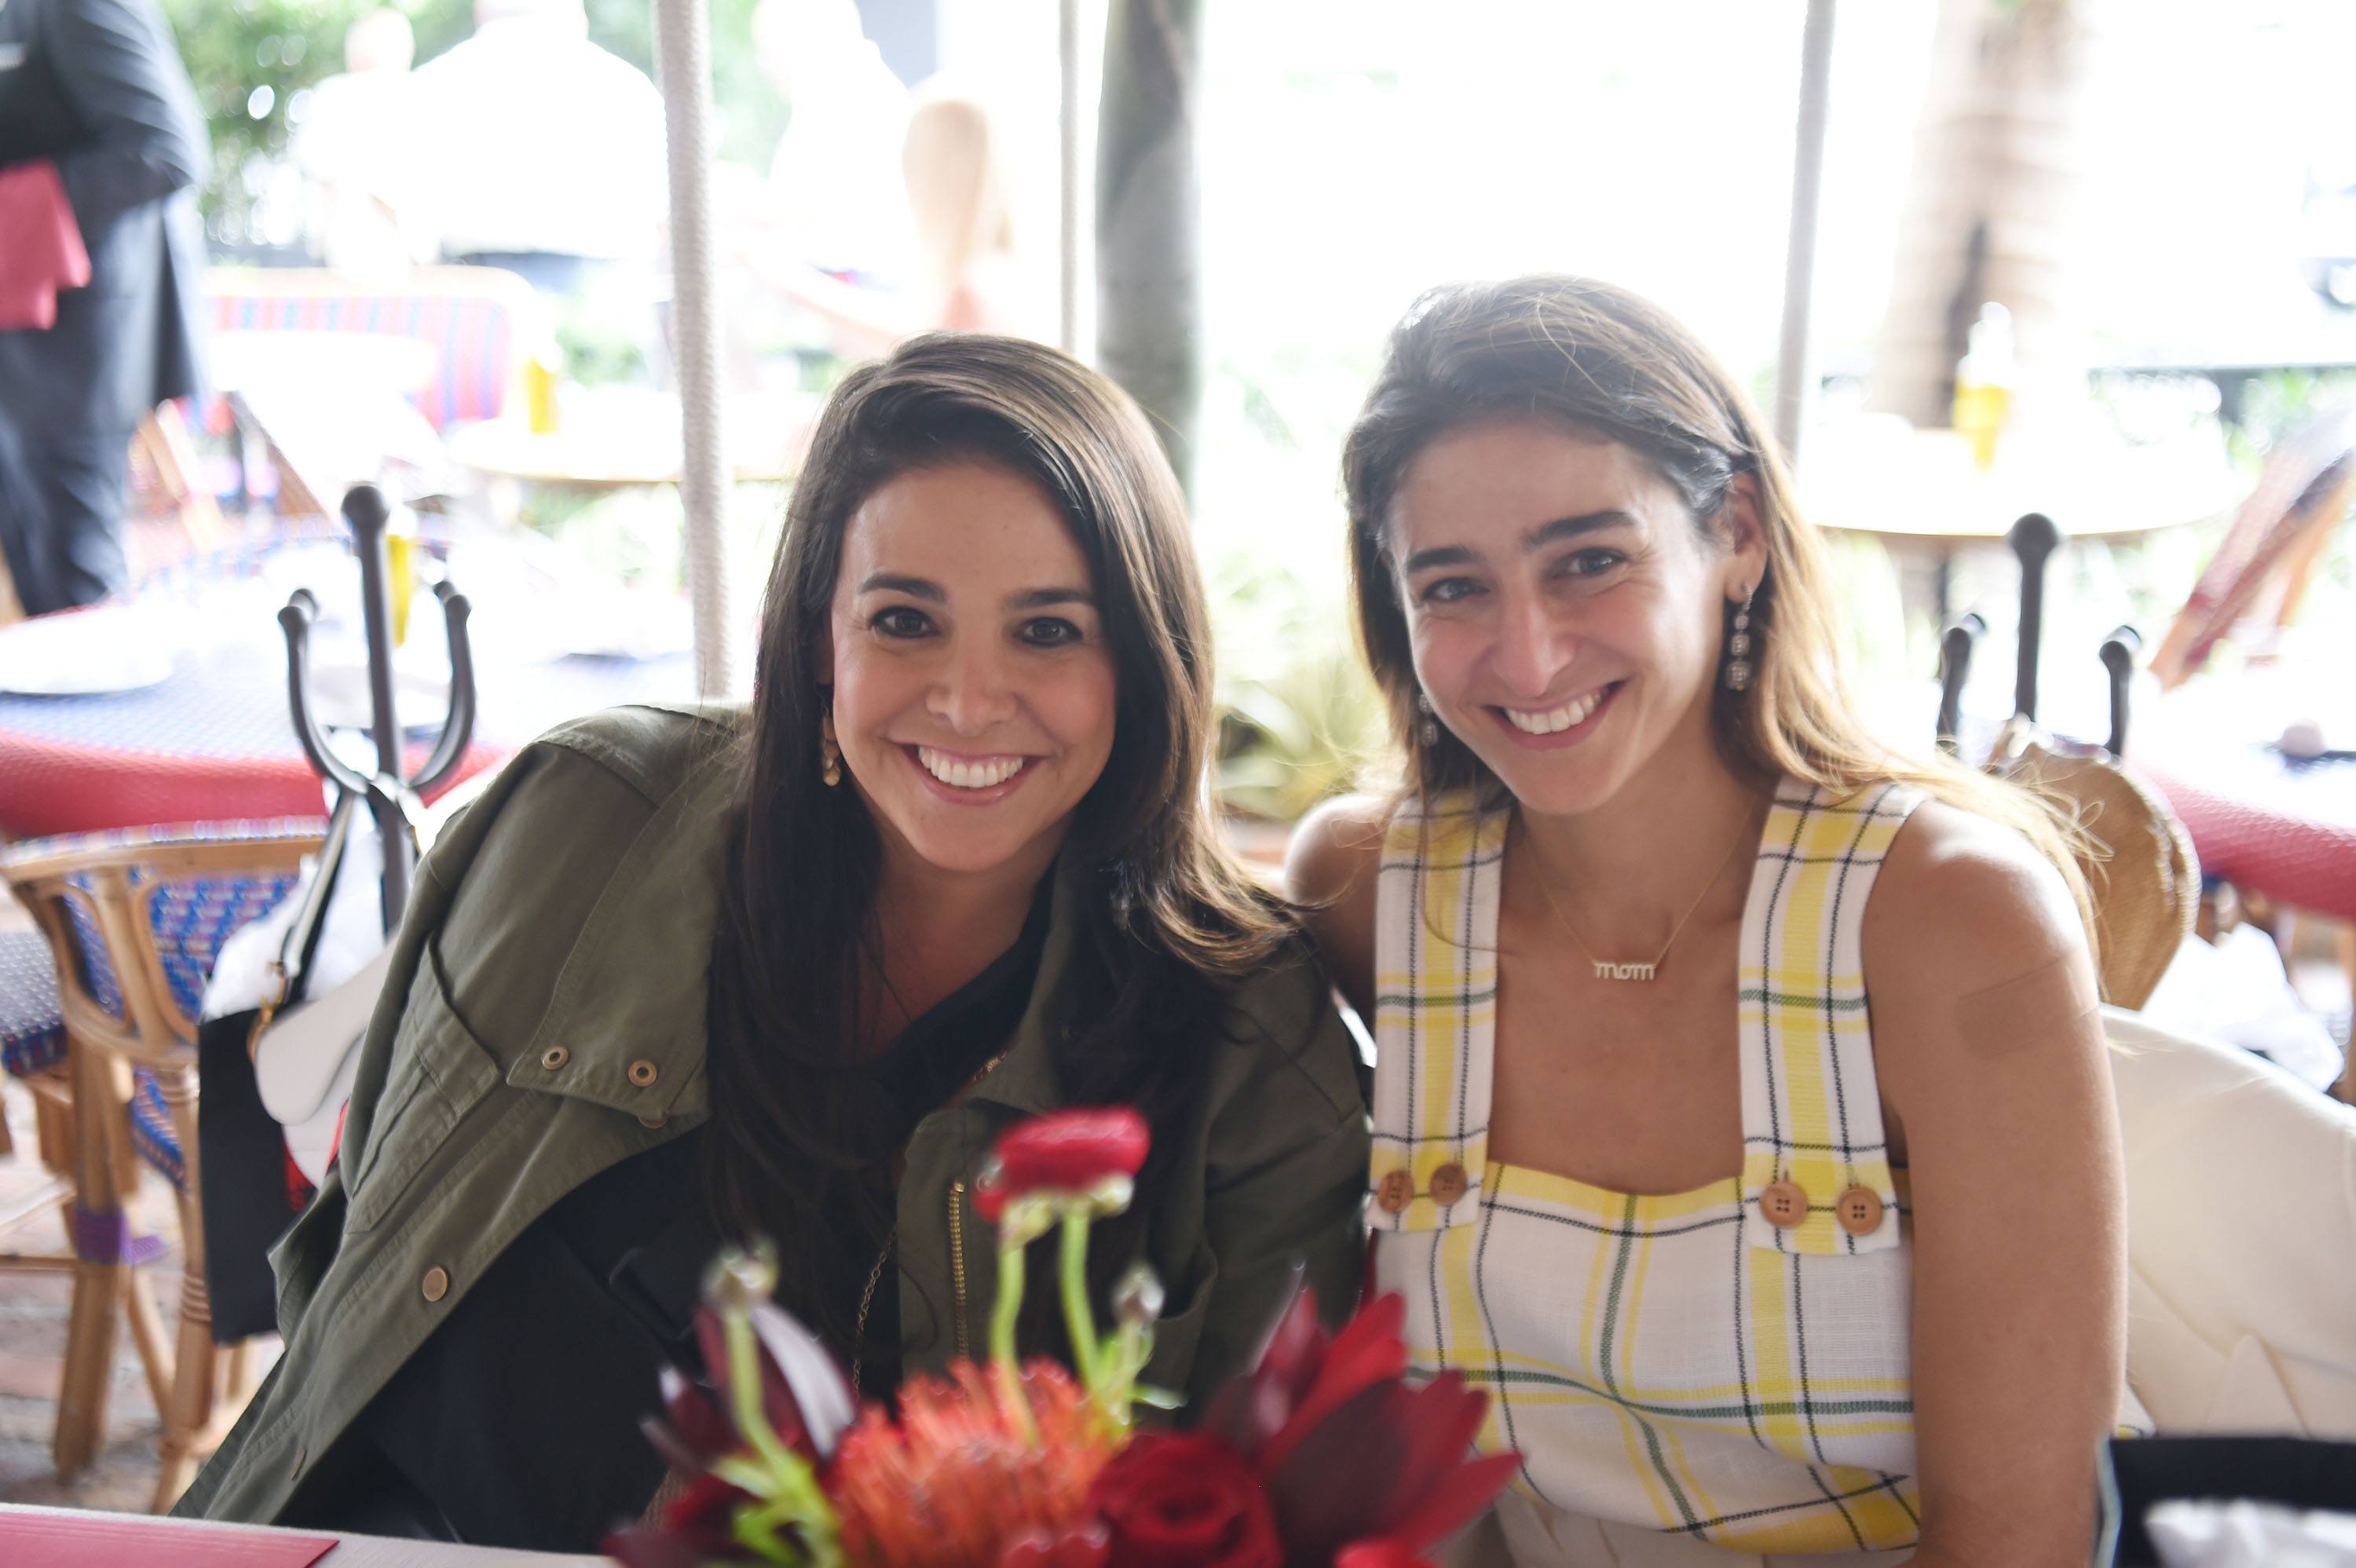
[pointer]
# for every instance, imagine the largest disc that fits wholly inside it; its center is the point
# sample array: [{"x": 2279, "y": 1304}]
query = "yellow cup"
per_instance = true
[
  {"x": 1981, "y": 411},
  {"x": 539, "y": 395},
  {"x": 400, "y": 563}
]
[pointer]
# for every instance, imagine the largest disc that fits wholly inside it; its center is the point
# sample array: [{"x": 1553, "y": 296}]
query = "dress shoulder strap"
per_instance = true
[
  {"x": 1435, "y": 1010},
  {"x": 1811, "y": 1100}
]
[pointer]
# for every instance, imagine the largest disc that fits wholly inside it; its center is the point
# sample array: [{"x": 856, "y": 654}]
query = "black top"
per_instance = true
[{"x": 515, "y": 1424}]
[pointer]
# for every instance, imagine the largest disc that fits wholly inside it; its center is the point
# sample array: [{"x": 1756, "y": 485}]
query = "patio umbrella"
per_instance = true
[{"x": 683, "y": 69}]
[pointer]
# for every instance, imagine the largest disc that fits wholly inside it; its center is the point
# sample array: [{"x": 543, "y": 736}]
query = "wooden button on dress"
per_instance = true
[
  {"x": 1784, "y": 1204},
  {"x": 1448, "y": 1184},
  {"x": 1396, "y": 1190},
  {"x": 1859, "y": 1211},
  {"x": 435, "y": 1285}
]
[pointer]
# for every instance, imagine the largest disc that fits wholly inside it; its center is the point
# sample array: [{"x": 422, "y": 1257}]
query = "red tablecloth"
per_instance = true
[
  {"x": 215, "y": 743},
  {"x": 2267, "y": 826}
]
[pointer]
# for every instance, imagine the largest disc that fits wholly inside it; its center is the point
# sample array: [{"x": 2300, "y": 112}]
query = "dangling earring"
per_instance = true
[
  {"x": 1429, "y": 734},
  {"x": 830, "y": 755},
  {"x": 1738, "y": 645}
]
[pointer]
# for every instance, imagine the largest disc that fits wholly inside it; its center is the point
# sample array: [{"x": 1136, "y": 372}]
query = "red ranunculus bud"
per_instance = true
[
  {"x": 1184, "y": 1501},
  {"x": 1071, "y": 1151}
]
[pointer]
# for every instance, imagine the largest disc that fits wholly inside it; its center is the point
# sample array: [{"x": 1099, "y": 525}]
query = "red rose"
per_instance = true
[
  {"x": 1183, "y": 1501},
  {"x": 1070, "y": 1151}
]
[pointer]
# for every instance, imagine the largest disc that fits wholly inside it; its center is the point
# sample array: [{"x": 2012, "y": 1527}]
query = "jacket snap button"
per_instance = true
[
  {"x": 1396, "y": 1190},
  {"x": 554, "y": 1057},
  {"x": 1859, "y": 1211},
  {"x": 1785, "y": 1204},
  {"x": 657, "y": 1119},
  {"x": 436, "y": 1284},
  {"x": 642, "y": 1072},
  {"x": 1448, "y": 1184}
]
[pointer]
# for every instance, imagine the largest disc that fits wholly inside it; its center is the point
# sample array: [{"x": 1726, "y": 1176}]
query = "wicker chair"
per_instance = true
[{"x": 133, "y": 923}]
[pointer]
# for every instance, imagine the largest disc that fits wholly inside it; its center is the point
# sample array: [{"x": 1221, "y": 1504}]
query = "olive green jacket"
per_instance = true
[{"x": 544, "y": 1018}]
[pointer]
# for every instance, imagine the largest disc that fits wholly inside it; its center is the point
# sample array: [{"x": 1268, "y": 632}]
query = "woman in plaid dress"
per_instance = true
[{"x": 1751, "y": 1268}]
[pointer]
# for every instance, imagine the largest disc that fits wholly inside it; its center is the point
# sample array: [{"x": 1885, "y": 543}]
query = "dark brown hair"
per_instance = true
[{"x": 1173, "y": 923}]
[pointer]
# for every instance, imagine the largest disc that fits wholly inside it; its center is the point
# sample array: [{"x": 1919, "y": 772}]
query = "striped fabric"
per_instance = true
[
  {"x": 32, "y": 1031},
  {"x": 152, "y": 1137},
  {"x": 471, "y": 325},
  {"x": 1674, "y": 1363}
]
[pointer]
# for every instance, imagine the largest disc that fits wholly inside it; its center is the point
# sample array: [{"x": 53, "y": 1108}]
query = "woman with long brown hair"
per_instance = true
[
  {"x": 687, "y": 975},
  {"x": 1743, "y": 1119}
]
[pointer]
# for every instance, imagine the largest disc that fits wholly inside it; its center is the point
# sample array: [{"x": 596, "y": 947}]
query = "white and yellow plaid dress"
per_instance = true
[{"x": 1675, "y": 1370}]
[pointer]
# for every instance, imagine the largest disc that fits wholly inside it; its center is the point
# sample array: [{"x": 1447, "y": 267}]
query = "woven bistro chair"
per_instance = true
[
  {"x": 2138, "y": 860},
  {"x": 135, "y": 920}
]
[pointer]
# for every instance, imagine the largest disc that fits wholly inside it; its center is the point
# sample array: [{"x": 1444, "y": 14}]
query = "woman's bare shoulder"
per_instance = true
[
  {"x": 1331, "y": 871},
  {"x": 1973, "y": 943}
]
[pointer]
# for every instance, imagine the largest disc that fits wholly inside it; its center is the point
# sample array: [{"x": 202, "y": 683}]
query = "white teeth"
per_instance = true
[
  {"x": 959, "y": 773},
  {"x": 1554, "y": 720}
]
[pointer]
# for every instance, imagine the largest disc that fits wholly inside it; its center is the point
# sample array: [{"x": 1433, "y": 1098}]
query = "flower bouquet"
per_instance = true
[{"x": 1321, "y": 1454}]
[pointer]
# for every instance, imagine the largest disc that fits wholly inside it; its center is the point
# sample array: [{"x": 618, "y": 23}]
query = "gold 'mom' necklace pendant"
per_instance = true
[{"x": 1605, "y": 971}]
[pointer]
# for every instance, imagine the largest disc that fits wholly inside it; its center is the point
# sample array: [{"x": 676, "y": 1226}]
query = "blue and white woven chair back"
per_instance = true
[{"x": 140, "y": 916}]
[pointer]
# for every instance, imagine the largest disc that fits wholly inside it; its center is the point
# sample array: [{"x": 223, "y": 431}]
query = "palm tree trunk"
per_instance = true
[
  {"x": 1149, "y": 217},
  {"x": 1997, "y": 160}
]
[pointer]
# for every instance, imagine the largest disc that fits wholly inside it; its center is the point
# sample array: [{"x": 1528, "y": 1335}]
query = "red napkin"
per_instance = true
[
  {"x": 43, "y": 252},
  {"x": 60, "y": 1540}
]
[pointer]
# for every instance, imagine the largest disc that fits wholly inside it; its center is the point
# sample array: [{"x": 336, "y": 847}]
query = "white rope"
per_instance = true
[
  {"x": 1067, "y": 44},
  {"x": 1794, "y": 355},
  {"x": 683, "y": 63}
]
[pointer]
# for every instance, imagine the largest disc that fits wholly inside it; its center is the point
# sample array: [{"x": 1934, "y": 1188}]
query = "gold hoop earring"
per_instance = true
[
  {"x": 1739, "y": 667},
  {"x": 830, "y": 755}
]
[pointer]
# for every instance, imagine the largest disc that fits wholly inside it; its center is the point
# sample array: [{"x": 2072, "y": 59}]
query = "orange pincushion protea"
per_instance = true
[{"x": 956, "y": 1478}]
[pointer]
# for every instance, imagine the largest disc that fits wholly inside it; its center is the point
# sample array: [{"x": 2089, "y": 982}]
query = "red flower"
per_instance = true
[
  {"x": 957, "y": 1480},
  {"x": 1183, "y": 1501},
  {"x": 1070, "y": 1151},
  {"x": 1350, "y": 1456},
  {"x": 1377, "y": 1554}
]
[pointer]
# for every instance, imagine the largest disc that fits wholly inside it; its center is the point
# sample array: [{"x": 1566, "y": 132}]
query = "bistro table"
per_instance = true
[
  {"x": 68, "y": 1538},
  {"x": 204, "y": 733},
  {"x": 623, "y": 438},
  {"x": 1919, "y": 492}
]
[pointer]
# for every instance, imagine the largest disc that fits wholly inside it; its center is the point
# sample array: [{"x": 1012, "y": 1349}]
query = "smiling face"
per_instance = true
[
  {"x": 974, "y": 692},
  {"x": 1566, "y": 614}
]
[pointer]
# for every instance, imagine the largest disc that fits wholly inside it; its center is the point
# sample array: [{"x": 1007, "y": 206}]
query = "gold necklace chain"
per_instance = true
[
  {"x": 1605, "y": 969},
  {"x": 866, "y": 1300}
]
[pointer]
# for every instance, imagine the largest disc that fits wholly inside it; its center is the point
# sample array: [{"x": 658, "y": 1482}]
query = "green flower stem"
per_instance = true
[
  {"x": 788, "y": 1487},
  {"x": 745, "y": 1394},
  {"x": 1132, "y": 1347},
  {"x": 1079, "y": 1320},
  {"x": 1003, "y": 1363},
  {"x": 1008, "y": 1306}
]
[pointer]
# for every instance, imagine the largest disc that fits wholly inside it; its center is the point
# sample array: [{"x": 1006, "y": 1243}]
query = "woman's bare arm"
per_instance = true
[
  {"x": 1992, "y": 1059},
  {"x": 1330, "y": 867}
]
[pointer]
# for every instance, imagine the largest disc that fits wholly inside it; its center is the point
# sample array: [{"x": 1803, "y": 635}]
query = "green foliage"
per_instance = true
[
  {"x": 250, "y": 60},
  {"x": 1299, "y": 717}
]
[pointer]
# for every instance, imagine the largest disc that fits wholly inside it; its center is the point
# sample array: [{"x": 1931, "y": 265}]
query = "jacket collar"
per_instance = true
[
  {"x": 636, "y": 1031},
  {"x": 636, "y": 1028}
]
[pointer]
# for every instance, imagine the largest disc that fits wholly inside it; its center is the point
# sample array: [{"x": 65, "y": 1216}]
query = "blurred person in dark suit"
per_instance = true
[{"x": 96, "y": 88}]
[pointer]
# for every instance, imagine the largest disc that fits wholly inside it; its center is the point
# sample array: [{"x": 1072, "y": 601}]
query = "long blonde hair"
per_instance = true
[{"x": 1598, "y": 358}]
